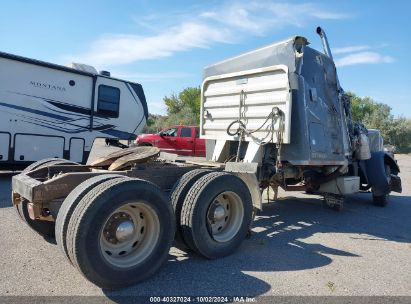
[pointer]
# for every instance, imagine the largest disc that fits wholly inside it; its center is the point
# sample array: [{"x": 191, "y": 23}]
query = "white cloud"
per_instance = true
[
  {"x": 260, "y": 16},
  {"x": 350, "y": 49},
  {"x": 226, "y": 23},
  {"x": 363, "y": 58},
  {"x": 120, "y": 49},
  {"x": 328, "y": 15}
]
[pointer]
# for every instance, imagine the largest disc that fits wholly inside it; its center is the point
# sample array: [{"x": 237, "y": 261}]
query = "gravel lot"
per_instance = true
[{"x": 298, "y": 247}]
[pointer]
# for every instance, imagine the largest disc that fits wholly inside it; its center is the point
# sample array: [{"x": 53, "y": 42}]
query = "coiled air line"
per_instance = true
[{"x": 275, "y": 114}]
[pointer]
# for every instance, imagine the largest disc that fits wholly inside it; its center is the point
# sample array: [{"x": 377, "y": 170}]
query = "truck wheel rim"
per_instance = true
[
  {"x": 225, "y": 216},
  {"x": 129, "y": 234}
]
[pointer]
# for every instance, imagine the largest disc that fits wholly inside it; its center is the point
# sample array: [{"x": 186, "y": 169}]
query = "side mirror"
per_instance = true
[{"x": 161, "y": 134}]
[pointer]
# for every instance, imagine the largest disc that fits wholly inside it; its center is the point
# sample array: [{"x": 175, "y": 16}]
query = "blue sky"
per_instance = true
[{"x": 164, "y": 45}]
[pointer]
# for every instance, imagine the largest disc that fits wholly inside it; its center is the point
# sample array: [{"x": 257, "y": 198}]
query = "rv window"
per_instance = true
[{"x": 108, "y": 101}]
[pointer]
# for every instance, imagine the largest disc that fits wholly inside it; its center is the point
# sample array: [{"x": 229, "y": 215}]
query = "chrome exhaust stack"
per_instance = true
[{"x": 324, "y": 40}]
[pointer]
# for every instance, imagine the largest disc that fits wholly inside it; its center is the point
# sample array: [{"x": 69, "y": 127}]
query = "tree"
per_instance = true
[
  {"x": 182, "y": 109},
  {"x": 379, "y": 118},
  {"x": 361, "y": 106},
  {"x": 184, "y": 105},
  {"x": 399, "y": 134},
  {"x": 155, "y": 123},
  {"x": 375, "y": 115},
  {"x": 184, "y": 117}
]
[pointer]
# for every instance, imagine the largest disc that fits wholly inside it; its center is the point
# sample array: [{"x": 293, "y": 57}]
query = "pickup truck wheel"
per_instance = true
[
  {"x": 216, "y": 214},
  {"x": 383, "y": 200},
  {"x": 71, "y": 202},
  {"x": 179, "y": 193},
  {"x": 120, "y": 233},
  {"x": 44, "y": 228}
]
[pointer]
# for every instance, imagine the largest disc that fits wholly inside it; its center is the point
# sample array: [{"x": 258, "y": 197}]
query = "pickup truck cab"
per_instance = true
[{"x": 182, "y": 140}]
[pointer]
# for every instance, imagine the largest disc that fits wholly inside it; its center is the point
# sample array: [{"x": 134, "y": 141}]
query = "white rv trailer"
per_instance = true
[{"x": 48, "y": 110}]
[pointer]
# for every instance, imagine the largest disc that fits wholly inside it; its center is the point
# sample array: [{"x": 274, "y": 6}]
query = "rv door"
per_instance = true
[{"x": 76, "y": 149}]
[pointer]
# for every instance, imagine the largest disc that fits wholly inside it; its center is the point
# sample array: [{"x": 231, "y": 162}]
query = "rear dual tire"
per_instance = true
[
  {"x": 47, "y": 162},
  {"x": 120, "y": 232},
  {"x": 70, "y": 203},
  {"x": 177, "y": 197},
  {"x": 216, "y": 215},
  {"x": 44, "y": 228}
]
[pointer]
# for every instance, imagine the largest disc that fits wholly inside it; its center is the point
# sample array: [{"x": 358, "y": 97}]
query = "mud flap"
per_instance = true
[
  {"x": 396, "y": 183},
  {"x": 377, "y": 177}
]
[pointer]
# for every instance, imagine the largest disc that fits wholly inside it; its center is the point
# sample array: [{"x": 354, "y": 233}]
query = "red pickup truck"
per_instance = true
[{"x": 182, "y": 140}]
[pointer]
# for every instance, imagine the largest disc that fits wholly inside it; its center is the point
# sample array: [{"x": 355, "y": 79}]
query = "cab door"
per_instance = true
[
  {"x": 199, "y": 148},
  {"x": 185, "y": 141},
  {"x": 168, "y": 140}
]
